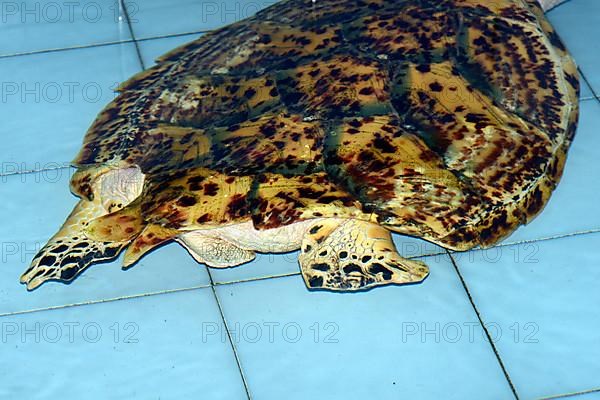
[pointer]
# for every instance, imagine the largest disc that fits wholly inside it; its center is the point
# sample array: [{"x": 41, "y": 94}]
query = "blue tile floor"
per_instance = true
[{"x": 519, "y": 320}]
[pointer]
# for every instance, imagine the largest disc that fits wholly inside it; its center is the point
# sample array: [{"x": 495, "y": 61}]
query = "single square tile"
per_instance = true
[
  {"x": 34, "y": 208},
  {"x": 50, "y": 100},
  {"x": 161, "y": 17},
  {"x": 572, "y": 206},
  {"x": 151, "y": 347},
  {"x": 29, "y": 26},
  {"x": 577, "y": 23},
  {"x": 543, "y": 296},
  {"x": 388, "y": 343},
  {"x": 154, "y": 48}
]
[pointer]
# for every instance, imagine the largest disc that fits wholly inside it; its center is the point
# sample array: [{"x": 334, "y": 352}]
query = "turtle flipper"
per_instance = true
[
  {"x": 151, "y": 236},
  {"x": 74, "y": 247},
  {"x": 213, "y": 251},
  {"x": 348, "y": 255},
  {"x": 127, "y": 225},
  {"x": 70, "y": 251}
]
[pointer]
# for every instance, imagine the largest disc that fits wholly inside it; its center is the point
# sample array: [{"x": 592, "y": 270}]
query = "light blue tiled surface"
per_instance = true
[
  {"x": 391, "y": 343},
  {"x": 29, "y": 26},
  {"x": 152, "y": 347},
  {"x": 46, "y": 110},
  {"x": 159, "y": 17},
  {"x": 369, "y": 345},
  {"x": 578, "y": 24},
  {"x": 543, "y": 295}
]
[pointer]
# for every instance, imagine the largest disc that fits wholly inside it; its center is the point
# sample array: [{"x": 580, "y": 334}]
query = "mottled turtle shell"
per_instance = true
[{"x": 444, "y": 119}]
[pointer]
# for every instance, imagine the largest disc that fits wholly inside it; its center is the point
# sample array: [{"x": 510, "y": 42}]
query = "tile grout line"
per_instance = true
[
  {"x": 103, "y": 44},
  {"x": 109, "y": 300},
  {"x": 56, "y": 50},
  {"x": 233, "y": 347},
  {"x": 588, "y": 98},
  {"x": 135, "y": 43},
  {"x": 174, "y": 35},
  {"x": 487, "y": 333},
  {"x": 259, "y": 278},
  {"x": 574, "y": 394},
  {"x": 35, "y": 171}
]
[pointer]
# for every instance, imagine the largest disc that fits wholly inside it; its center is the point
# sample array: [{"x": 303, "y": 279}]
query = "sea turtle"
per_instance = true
[{"x": 323, "y": 126}]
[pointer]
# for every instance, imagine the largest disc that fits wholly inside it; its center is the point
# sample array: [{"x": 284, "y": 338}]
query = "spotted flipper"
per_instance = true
[
  {"x": 348, "y": 255},
  {"x": 121, "y": 226},
  {"x": 214, "y": 252},
  {"x": 152, "y": 236},
  {"x": 128, "y": 225},
  {"x": 71, "y": 250}
]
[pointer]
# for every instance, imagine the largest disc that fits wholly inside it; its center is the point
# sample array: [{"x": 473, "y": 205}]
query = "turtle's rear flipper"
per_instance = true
[
  {"x": 213, "y": 251},
  {"x": 348, "y": 255},
  {"x": 70, "y": 251}
]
